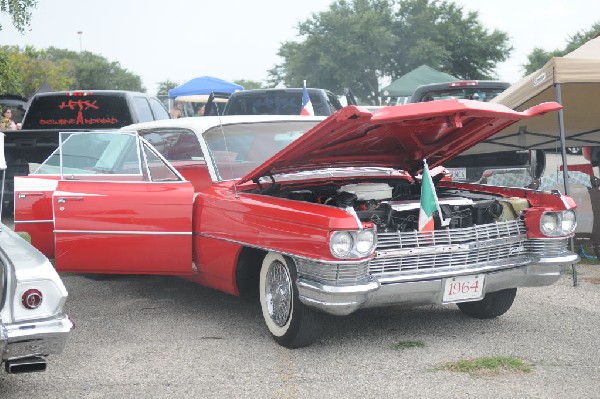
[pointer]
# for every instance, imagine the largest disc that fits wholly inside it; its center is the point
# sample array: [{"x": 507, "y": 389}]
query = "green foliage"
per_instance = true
[
  {"x": 9, "y": 78},
  {"x": 249, "y": 84},
  {"x": 27, "y": 69},
  {"x": 538, "y": 57},
  {"x": 488, "y": 365},
  {"x": 165, "y": 86},
  {"x": 440, "y": 34},
  {"x": 19, "y": 11},
  {"x": 344, "y": 47},
  {"x": 358, "y": 42}
]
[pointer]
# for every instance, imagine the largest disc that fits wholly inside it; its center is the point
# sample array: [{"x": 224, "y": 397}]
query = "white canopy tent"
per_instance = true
[{"x": 574, "y": 82}]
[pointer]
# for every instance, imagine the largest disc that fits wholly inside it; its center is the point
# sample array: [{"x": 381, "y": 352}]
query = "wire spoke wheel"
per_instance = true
[
  {"x": 279, "y": 293},
  {"x": 291, "y": 323}
]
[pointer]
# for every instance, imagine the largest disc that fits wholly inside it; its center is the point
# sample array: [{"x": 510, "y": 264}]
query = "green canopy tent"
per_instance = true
[{"x": 405, "y": 85}]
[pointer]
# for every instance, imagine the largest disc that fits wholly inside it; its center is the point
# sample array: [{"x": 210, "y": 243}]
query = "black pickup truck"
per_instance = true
[
  {"x": 54, "y": 112},
  {"x": 478, "y": 167}
]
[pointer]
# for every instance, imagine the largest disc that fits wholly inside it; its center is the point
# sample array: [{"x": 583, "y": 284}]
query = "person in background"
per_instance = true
[
  {"x": 7, "y": 123},
  {"x": 175, "y": 111},
  {"x": 200, "y": 111}
]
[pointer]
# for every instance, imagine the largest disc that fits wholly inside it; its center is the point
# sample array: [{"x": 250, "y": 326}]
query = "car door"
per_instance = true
[
  {"x": 123, "y": 209},
  {"x": 33, "y": 210}
]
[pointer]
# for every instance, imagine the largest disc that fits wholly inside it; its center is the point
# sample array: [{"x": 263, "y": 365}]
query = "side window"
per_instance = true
[
  {"x": 81, "y": 155},
  {"x": 157, "y": 169},
  {"x": 142, "y": 107},
  {"x": 158, "y": 109},
  {"x": 174, "y": 144},
  {"x": 333, "y": 103}
]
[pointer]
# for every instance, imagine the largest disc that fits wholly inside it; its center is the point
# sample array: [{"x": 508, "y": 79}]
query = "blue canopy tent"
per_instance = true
[{"x": 203, "y": 85}]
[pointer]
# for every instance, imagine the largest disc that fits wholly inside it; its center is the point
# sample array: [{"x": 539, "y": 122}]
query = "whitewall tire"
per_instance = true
[{"x": 289, "y": 321}]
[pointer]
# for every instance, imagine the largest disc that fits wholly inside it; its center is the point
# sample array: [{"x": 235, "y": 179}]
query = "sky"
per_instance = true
[{"x": 179, "y": 40}]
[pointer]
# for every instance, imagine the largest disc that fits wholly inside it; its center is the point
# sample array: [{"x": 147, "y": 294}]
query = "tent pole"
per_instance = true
[{"x": 563, "y": 148}]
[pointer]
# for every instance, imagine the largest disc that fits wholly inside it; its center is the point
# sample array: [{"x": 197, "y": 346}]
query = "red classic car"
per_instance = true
[{"x": 316, "y": 215}]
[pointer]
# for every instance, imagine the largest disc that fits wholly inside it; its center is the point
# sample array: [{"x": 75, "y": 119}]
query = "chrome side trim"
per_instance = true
[
  {"x": 125, "y": 232},
  {"x": 32, "y": 221},
  {"x": 332, "y": 262}
]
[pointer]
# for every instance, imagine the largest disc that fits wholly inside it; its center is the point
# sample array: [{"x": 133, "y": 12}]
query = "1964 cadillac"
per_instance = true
[{"x": 316, "y": 215}]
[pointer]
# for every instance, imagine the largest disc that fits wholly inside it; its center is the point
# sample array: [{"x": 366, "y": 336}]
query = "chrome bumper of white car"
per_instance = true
[
  {"x": 428, "y": 288},
  {"x": 34, "y": 338}
]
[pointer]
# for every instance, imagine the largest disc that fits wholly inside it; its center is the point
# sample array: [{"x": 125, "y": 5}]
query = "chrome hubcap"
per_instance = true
[{"x": 278, "y": 287}]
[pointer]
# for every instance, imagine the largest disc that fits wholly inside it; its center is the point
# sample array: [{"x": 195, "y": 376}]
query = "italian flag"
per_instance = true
[{"x": 429, "y": 201}]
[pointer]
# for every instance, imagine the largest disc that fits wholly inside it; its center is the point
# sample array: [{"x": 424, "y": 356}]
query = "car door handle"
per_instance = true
[
  {"x": 24, "y": 195},
  {"x": 62, "y": 200}
]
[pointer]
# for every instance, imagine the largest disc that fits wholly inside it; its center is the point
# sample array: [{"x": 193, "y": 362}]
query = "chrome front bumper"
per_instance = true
[
  {"x": 420, "y": 290},
  {"x": 34, "y": 338}
]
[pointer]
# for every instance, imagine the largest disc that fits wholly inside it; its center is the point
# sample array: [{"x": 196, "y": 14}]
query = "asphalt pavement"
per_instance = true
[{"x": 164, "y": 337}]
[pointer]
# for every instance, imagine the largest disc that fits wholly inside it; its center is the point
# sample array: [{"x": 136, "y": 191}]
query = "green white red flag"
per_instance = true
[{"x": 429, "y": 201}]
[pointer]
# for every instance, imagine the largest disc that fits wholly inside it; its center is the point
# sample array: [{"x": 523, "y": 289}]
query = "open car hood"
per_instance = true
[{"x": 398, "y": 137}]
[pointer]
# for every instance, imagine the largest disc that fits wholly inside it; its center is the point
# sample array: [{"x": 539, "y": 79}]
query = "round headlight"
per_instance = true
[
  {"x": 365, "y": 241},
  {"x": 341, "y": 243},
  {"x": 568, "y": 222},
  {"x": 549, "y": 223}
]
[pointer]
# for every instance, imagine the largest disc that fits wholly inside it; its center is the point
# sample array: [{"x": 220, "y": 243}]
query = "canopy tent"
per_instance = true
[
  {"x": 573, "y": 81},
  {"x": 203, "y": 85},
  {"x": 407, "y": 83}
]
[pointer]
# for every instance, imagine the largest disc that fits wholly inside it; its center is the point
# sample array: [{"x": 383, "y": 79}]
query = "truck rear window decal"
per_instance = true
[{"x": 65, "y": 112}]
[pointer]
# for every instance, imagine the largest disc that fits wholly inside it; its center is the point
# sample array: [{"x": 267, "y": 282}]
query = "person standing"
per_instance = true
[{"x": 7, "y": 123}]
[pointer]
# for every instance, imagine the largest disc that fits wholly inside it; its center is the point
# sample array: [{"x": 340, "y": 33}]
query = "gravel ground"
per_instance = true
[{"x": 163, "y": 337}]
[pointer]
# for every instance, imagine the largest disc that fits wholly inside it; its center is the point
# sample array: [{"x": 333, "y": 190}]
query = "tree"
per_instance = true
[
  {"x": 440, "y": 34},
  {"x": 343, "y": 47},
  {"x": 63, "y": 70},
  {"x": 538, "y": 56},
  {"x": 19, "y": 11},
  {"x": 165, "y": 86},
  {"x": 9, "y": 78},
  {"x": 93, "y": 71},
  {"x": 356, "y": 43},
  {"x": 249, "y": 84}
]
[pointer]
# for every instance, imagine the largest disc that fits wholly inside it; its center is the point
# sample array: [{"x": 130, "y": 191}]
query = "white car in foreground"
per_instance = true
[{"x": 32, "y": 297}]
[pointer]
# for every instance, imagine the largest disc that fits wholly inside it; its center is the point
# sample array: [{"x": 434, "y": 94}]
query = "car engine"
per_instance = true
[{"x": 395, "y": 207}]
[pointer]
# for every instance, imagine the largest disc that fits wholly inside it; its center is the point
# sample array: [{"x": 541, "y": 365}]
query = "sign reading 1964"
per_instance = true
[{"x": 463, "y": 288}]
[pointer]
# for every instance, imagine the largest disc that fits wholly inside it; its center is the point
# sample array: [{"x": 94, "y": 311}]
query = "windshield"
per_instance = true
[{"x": 238, "y": 149}]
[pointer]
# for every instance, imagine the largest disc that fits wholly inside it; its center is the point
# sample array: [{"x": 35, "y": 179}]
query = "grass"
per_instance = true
[
  {"x": 488, "y": 365},
  {"x": 408, "y": 345}
]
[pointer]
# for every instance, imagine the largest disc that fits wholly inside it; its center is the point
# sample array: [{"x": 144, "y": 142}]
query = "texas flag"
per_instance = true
[
  {"x": 307, "y": 108},
  {"x": 429, "y": 202}
]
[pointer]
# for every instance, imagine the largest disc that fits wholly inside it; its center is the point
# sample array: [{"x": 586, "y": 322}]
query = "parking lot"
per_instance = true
[{"x": 164, "y": 337}]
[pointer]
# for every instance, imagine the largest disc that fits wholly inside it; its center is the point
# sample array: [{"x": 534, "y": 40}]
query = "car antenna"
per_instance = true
[{"x": 225, "y": 142}]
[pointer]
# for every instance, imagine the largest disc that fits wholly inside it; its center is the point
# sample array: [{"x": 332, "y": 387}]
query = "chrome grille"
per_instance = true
[
  {"x": 551, "y": 247},
  {"x": 340, "y": 274},
  {"x": 401, "y": 253},
  {"x": 413, "y": 239}
]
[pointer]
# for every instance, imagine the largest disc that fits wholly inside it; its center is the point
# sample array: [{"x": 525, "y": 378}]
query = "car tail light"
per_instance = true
[
  {"x": 463, "y": 83},
  {"x": 32, "y": 298}
]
